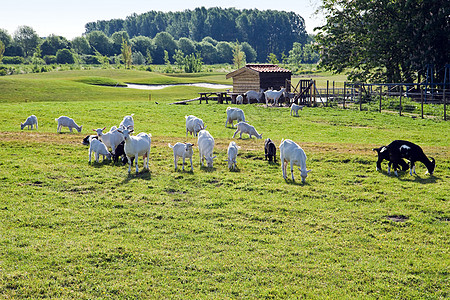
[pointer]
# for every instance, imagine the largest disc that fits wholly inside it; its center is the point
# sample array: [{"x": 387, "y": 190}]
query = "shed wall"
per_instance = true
[{"x": 245, "y": 82}]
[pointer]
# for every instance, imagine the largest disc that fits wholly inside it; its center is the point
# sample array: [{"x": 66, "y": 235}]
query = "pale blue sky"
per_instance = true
[{"x": 67, "y": 18}]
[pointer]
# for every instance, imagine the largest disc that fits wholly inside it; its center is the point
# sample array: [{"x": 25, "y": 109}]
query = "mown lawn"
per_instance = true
[{"x": 76, "y": 230}]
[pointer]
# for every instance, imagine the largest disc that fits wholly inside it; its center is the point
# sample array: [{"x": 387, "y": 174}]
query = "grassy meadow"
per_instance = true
[{"x": 71, "y": 229}]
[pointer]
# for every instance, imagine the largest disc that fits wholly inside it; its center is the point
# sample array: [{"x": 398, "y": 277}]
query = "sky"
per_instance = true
[{"x": 68, "y": 18}]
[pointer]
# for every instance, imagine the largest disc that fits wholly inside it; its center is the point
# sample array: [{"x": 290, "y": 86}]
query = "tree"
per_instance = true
[
  {"x": 381, "y": 40},
  {"x": 225, "y": 52},
  {"x": 100, "y": 42},
  {"x": 250, "y": 53},
  {"x": 81, "y": 45},
  {"x": 27, "y": 38},
  {"x": 64, "y": 56},
  {"x": 238, "y": 56},
  {"x": 117, "y": 41},
  {"x": 163, "y": 41},
  {"x": 52, "y": 44},
  {"x": 186, "y": 45},
  {"x": 2, "y": 50},
  {"x": 272, "y": 59},
  {"x": 126, "y": 53},
  {"x": 179, "y": 58}
]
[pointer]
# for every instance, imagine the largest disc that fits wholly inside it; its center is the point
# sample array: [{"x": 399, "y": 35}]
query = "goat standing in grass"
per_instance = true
[
  {"x": 136, "y": 146},
  {"x": 270, "y": 150},
  {"x": 232, "y": 154},
  {"x": 273, "y": 95},
  {"x": 383, "y": 154},
  {"x": 205, "y": 143},
  {"x": 294, "y": 154},
  {"x": 64, "y": 121},
  {"x": 184, "y": 151},
  {"x": 193, "y": 125},
  {"x": 234, "y": 113},
  {"x": 30, "y": 121},
  {"x": 98, "y": 148},
  {"x": 243, "y": 127},
  {"x": 403, "y": 149}
]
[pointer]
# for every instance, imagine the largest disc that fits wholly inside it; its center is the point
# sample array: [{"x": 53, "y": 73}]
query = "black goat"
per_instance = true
[
  {"x": 120, "y": 151},
  {"x": 403, "y": 149},
  {"x": 86, "y": 139},
  {"x": 383, "y": 154},
  {"x": 270, "y": 150}
]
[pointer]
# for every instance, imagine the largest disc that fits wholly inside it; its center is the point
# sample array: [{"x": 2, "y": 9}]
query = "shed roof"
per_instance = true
[{"x": 258, "y": 68}]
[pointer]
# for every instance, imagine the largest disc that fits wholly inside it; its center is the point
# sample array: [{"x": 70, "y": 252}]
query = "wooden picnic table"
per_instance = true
[{"x": 220, "y": 96}]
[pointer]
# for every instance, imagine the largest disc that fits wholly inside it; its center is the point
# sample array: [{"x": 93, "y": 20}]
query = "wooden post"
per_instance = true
[
  {"x": 345, "y": 95},
  {"x": 381, "y": 93},
  {"x": 327, "y": 92},
  {"x": 421, "y": 100},
  {"x": 400, "y": 106},
  {"x": 334, "y": 96},
  {"x": 445, "y": 103},
  {"x": 360, "y": 97}
]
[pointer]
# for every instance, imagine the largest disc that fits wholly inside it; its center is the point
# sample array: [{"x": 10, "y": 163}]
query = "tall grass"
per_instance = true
[{"x": 76, "y": 230}]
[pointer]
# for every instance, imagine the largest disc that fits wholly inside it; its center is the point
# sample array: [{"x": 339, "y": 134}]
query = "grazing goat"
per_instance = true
[
  {"x": 383, "y": 154},
  {"x": 234, "y": 113},
  {"x": 98, "y": 148},
  {"x": 270, "y": 150},
  {"x": 193, "y": 125},
  {"x": 205, "y": 143},
  {"x": 86, "y": 140},
  {"x": 136, "y": 146},
  {"x": 403, "y": 149},
  {"x": 243, "y": 127},
  {"x": 239, "y": 99},
  {"x": 232, "y": 154},
  {"x": 254, "y": 95},
  {"x": 184, "y": 151},
  {"x": 292, "y": 153},
  {"x": 30, "y": 121},
  {"x": 127, "y": 122},
  {"x": 273, "y": 95},
  {"x": 111, "y": 138},
  {"x": 67, "y": 122},
  {"x": 295, "y": 108}
]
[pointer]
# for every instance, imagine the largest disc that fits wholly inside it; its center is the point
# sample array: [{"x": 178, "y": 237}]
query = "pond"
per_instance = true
[{"x": 162, "y": 86}]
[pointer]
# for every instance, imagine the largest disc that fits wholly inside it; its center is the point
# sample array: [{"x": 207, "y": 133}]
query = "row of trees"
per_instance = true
[
  {"x": 265, "y": 31},
  {"x": 384, "y": 40},
  {"x": 161, "y": 49}
]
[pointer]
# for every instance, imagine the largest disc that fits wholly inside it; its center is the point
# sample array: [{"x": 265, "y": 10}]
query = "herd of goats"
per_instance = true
[{"x": 129, "y": 147}]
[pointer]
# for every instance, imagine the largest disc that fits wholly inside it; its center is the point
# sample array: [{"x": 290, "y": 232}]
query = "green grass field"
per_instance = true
[{"x": 71, "y": 229}]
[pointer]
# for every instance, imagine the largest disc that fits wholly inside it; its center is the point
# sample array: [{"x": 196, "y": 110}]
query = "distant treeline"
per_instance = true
[{"x": 267, "y": 31}]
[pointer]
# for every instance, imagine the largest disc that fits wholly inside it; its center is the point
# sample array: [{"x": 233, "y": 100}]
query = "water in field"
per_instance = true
[{"x": 162, "y": 86}]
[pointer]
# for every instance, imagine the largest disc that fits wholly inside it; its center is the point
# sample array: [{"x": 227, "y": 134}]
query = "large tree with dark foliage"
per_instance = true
[
  {"x": 385, "y": 40},
  {"x": 266, "y": 31}
]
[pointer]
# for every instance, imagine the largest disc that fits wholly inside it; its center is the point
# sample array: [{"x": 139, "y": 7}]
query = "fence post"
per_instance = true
[
  {"x": 360, "y": 97},
  {"x": 327, "y": 92},
  {"x": 445, "y": 103},
  {"x": 381, "y": 93},
  {"x": 421, "y": 100},
  {"x": 343, "y": 103},
  {"x": 400, "y": 107},
  {"x": 334, "y": 96}
]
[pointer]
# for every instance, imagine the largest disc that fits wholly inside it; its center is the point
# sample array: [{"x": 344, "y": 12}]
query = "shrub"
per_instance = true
[
  {"x": 50, "y": 59},
  {"x": 13, "y": 60},
  {"x": 64, "y": 56}
]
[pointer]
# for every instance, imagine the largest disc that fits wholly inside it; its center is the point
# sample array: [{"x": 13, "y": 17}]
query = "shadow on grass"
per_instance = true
[
  {"x": 299, "y": 183},
  {"x": 404, "y": 176},
  {"x": 100, "y": 164},
  {"x": 143, "y": 174},
  {"x": 207, "y": 169}
]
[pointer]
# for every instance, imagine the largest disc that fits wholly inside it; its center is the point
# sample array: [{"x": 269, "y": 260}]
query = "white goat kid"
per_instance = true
[
  {"x": 254, "y": 95},
  {"x": 136, "y": 146},
  {"x": 239, "y": 99},
  {"x": 273, "y": 95},
  {"x": 64, "y": 121},
  {"x": 244, "y": 127},
  {"x": 294, "y": 154},
  {"x": 295, "y": 108},
  {"x": 30, "y": 121},
  {"x": 234, "y": 113},
  {"x": 127, "y": 123},
  {"x": 184, "y": 151},
  {"x": 98, "y": 148},
  {"x": 232, "y": 154},
  {"x": 111, "y": 139},
  {"x": 194, "y": 125},
  {"x": 205, "y": 144}
]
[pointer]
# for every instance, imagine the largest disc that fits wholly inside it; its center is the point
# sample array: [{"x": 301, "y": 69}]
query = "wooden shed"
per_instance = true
[{"x": 259, "y": 76}]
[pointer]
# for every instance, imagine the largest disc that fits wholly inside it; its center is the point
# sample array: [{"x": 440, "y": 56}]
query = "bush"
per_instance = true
[
  {"x": 13, "y": 60},
  {"x": 64, "y": 56},
  {"x": 50, "y": 59},
  {"x": 90, "y": 59}
]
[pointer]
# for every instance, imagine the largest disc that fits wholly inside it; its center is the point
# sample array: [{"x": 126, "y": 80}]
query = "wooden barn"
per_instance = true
[{"x": 259, "y": 76}]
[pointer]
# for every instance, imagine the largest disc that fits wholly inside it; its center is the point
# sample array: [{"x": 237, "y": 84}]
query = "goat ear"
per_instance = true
[
  {"x": 94, "y": 130},
  {"x": 104, "y": 128},
  {"x": 131, "y": 131},
  {"x": 308, "y": 171},
  {"x": 213, "y": 157}
]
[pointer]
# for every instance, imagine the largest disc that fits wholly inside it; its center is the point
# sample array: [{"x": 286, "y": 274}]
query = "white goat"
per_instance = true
[
  {"x": 194, "y": 125},
  {"x": 292, "y": 153},
  {"x": 30, "y": 121},
  {"x": 111, "y": 139},
  {"x": 295, "y": 108},
  {"x": 136, "y": 146},
  {"x": 205, "y": 144},
  {"x": 98, "y": 148},
  {"x": 184, "y": 151},
  {"x": 239, "y": 99},
  {"x": 232, "y": 154},
  {"x": 67, "y": 122},
  {"x": 254, "y": 95},
  {"x": 127, "y": 123},
  {"x": 273, "y": 95},
  {"x": 234, "y": 113},
  {"x": 244, "y": 127}
]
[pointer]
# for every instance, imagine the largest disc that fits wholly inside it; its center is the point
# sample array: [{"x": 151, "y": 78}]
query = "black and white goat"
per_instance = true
[
  {"x": 270, "y": 150},
  {"x": 403, "y": 149},
  {"x": 383, "y": 154}
]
